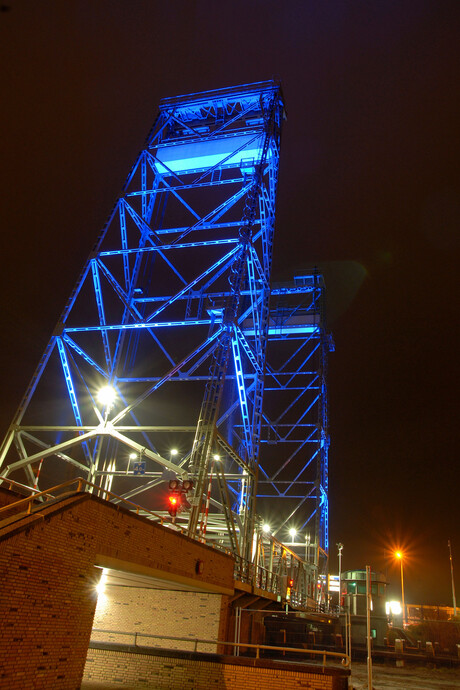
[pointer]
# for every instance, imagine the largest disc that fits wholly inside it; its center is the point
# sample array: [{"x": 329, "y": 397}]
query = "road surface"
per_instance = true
[{"x": 407, "y": 678}]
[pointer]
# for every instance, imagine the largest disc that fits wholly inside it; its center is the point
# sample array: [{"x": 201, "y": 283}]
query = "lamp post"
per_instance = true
[
  {"x": 454, "y": 601},
  {"x": 399, "y": 556},
  {"x": 340, "y": 549},
  {"x": 106, "y": 397}
]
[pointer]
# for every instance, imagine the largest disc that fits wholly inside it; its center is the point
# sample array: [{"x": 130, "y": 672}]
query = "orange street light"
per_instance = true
[{"x": 399, "y": 556}]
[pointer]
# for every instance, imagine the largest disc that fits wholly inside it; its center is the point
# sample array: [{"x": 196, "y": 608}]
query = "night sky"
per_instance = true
[{"x": 368, "y": 191}]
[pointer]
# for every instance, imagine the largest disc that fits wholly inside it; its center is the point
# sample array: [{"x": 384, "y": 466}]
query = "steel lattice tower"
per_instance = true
[
  {"x": 293, "y": 471},
  {"x": 172, "y": 313},
  {"x": 157, "y": 315}
]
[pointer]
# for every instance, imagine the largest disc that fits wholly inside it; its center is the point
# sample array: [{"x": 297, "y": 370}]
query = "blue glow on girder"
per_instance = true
[
  {"x": 286, "y": 330},
  {"x": 242, "y": 393},
  {"x": 237, "y": 151},
  {"x": 297, "y": 324}
]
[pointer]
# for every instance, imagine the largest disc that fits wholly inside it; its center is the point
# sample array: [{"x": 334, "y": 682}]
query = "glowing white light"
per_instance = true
[
  {"x": 393, "y": 607},
  {"x": 266, "y": 528},
  {"x": 106, "y": 396},
  {"x": 174, "y": 451},
  {"x": 133, "y": 456},
  {"x": 100, "y": 587},
  {"x": 216, "y": 457},
  {"x": 292, "y": 532}
]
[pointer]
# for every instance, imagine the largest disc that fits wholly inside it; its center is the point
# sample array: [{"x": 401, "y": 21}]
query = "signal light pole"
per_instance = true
[{"x": 177, "y": 499}]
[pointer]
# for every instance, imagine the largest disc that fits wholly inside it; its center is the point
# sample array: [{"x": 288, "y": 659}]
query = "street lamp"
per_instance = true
[
  {"x": 340, "y": 549},
  {"x": 454, "y": 601},
  {"x": 131, "y": 457},
  {"x": 399, "y": 556},
  {"x": 106, "y": 396},
  {"x": 292, "y": 532}
]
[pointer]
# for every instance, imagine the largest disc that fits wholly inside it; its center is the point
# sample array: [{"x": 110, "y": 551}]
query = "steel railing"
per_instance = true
[
  {"x": 80, "y": 483},
  {"x": 323, "y": 653}
]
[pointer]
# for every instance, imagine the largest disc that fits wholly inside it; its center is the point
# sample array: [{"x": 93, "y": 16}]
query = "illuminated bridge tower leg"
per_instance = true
[
  {"x": 170, "y": 314},
  {"x": 293, "y": 472}
]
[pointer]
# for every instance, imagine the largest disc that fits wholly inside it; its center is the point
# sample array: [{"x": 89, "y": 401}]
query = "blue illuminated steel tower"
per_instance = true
[
  {"x": 171, "y": 316},
  {"x": 158, "y": 316},
  {"x": 293, "y": 469}
]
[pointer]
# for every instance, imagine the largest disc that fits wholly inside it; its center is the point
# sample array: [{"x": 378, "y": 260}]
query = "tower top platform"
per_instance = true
[{"x": 243, "y": 92}]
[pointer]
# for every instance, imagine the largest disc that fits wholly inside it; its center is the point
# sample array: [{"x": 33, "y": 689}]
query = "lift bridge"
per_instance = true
[{"x": 176, "y": 363}]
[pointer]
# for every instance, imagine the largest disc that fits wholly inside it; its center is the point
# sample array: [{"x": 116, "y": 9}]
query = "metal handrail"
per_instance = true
[
  {"x": 12, "y": 483},
  {"x": 345, "y": 658},
  {"x": 81, "y": 482}
]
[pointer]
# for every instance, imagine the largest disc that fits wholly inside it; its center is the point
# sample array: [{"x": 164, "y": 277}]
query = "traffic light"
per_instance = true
[
  {"x": 187, "y": 485},
  {"x": 173, "y": 504},
  {"x": 175, "y": 487},
  {"x": 177, "y": 499}
]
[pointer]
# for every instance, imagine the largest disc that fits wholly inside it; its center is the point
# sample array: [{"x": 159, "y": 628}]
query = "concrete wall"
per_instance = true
[
  {"x": 48, "y": 578},
  {"x": 168, "y": 670},
  {"x": 158, "y": 612}
]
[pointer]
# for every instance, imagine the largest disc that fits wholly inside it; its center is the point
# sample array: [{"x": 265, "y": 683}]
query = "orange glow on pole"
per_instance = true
[{"x": 399, "y": 556}]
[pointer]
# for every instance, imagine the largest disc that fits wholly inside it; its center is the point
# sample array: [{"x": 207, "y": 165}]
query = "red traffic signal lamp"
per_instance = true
[
  {"x": 177, "y": 499},
  {"x": 173, "y": 504}
]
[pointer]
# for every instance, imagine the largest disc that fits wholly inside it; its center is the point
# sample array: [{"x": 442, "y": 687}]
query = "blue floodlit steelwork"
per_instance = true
[
  {"x": 172, "y": 311},
  {"x": 293, "y": 471}
]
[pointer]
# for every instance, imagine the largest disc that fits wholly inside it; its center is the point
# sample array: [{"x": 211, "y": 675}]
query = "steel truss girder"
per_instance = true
[
  {"x": 295, "y": 423},
  {"x": 183, "y": 261}
]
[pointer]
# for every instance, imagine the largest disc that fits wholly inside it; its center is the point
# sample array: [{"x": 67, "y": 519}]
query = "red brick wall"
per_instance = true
[
  {"x": 171, "y": 672},
  {"x": 7, "y": 497},
  {"x": 48, "y": 574}
]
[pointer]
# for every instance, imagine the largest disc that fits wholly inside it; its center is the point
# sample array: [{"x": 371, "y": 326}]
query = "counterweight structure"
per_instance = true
[{"x": 171, "y": 317}]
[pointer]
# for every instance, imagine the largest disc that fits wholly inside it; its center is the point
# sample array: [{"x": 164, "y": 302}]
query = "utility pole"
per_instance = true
[
  {"x": 340, "y": 548},
  {"x": 368, "y": 619},
  {"x": 454, "y": 601},
  {"x": 399, "y": 555}
]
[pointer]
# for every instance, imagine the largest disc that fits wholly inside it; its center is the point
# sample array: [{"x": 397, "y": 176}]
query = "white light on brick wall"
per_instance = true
[{"x": 100, "y": 587}]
